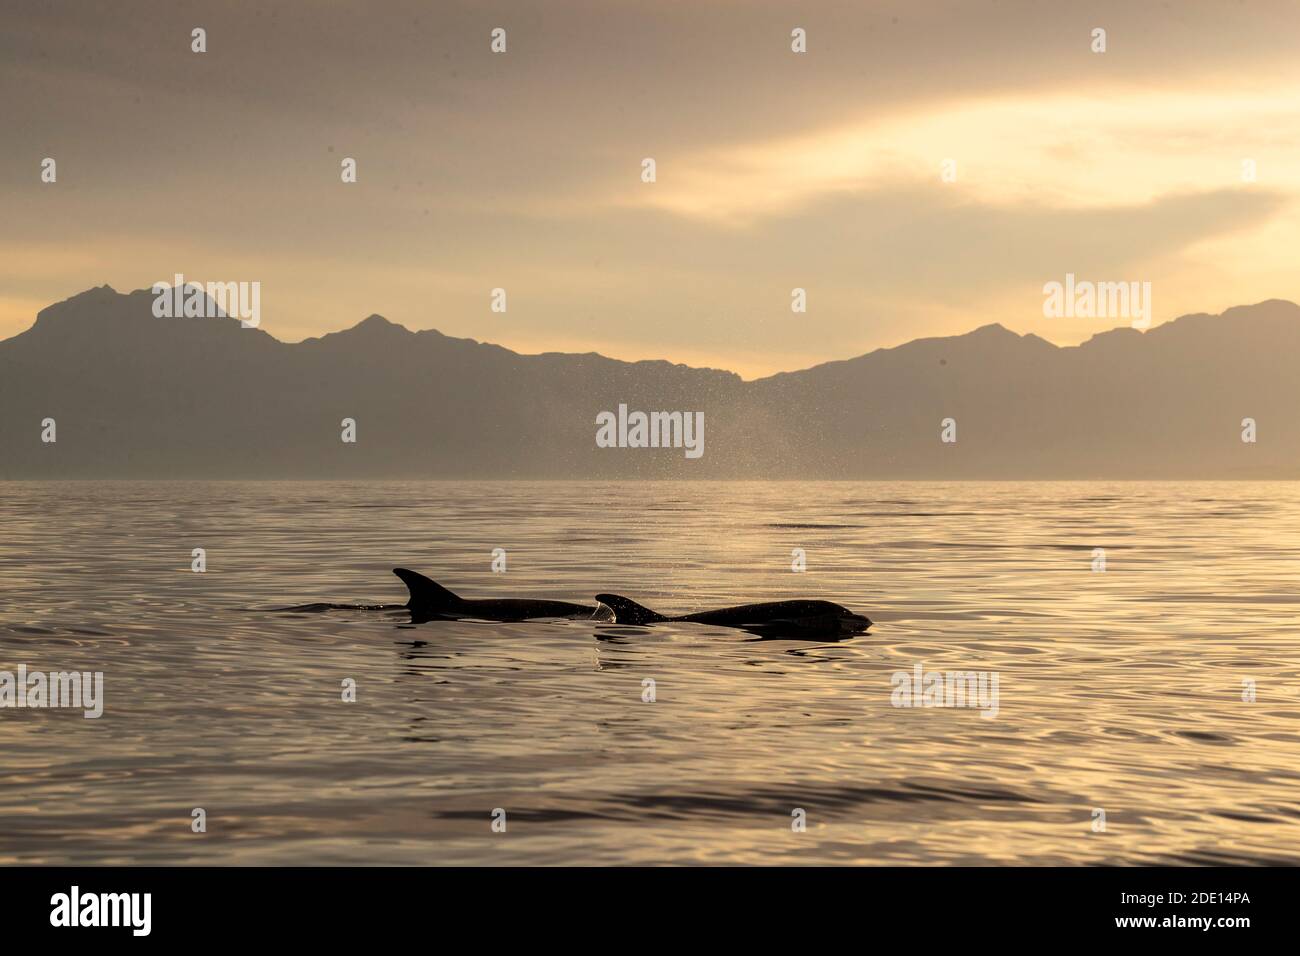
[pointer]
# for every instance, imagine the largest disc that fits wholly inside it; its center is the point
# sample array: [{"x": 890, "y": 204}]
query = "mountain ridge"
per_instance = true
[
  {"x": 138, "y": 396},
  {"x": 377, "y": 323}
]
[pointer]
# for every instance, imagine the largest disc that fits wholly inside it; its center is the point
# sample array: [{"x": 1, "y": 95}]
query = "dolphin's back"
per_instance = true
[
  {"x": 627, "y": 611},
  {"x": 819, "y": 617},
  {"x": 522, "y": 609},
  {"x": 766, "y": 611}
]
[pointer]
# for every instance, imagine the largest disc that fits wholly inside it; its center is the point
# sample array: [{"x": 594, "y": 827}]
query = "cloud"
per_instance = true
[
  {"x": 1065, "y": 148},
  {"x": 775, "y": 170}
]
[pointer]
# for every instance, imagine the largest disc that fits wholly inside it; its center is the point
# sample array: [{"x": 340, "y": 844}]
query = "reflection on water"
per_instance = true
[{"x": 1120, "y": 691}]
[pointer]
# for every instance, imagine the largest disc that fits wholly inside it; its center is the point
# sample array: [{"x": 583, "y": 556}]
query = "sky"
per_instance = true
[{"x": 775, "y": 170}]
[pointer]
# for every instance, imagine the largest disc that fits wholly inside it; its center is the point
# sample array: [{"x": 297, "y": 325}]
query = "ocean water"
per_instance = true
[{"x": 1124, "y": 690}]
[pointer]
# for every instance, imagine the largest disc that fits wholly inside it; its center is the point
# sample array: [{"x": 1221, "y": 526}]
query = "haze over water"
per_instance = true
[{"x": 1119, "y": 690}]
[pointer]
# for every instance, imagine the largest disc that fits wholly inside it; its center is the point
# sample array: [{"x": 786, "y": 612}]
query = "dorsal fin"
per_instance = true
[
  {"x": 426, "y": 595},
  {"x": 627, "y": 611}
]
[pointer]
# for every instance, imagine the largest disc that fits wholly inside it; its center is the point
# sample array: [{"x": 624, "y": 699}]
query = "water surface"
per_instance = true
[{"x": 1119, "y": 690}]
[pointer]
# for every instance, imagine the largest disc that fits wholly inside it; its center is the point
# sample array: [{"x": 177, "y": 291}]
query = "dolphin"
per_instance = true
[
  {"x": 770, "y": 619},
  {"x": 430, "y": 601}
]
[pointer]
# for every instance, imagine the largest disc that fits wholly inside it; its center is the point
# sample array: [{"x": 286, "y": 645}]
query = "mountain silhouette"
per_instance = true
[{"x": 134, "y": 396}]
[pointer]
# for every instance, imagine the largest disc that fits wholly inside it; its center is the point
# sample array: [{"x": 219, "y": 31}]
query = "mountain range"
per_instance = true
[{"x": 135, "y": 396}]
